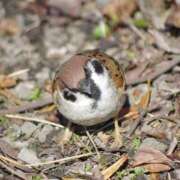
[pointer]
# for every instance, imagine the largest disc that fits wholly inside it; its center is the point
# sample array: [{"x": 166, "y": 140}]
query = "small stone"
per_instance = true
[
  {"x": 42, "y": 135},
  {"x": 24, "y": 89},
  {"x": 43, "y": 75},
  {"x": 28, "y": 128},
  {"x": 28, "y": 156},
  {"x": 177, "y": 173},
  {"x": 153, "y": 143}
]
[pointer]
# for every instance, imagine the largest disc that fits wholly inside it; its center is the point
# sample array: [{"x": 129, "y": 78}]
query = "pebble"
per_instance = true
[
  {"x": 28, "y": 128},
  {"x": 24, "y": 89},
  {"x": 44, "y": 132},
  {"x": 43, "y": 75},
  {"x": 153, "y": 143},
  {"x": 28, "y": 156}
]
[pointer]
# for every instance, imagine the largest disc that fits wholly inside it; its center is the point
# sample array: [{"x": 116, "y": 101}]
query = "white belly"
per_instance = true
[{"x": 86, "y": 112}]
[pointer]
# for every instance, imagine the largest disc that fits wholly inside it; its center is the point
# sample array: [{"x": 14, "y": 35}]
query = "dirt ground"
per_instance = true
[{"x": 37, "y": 36}]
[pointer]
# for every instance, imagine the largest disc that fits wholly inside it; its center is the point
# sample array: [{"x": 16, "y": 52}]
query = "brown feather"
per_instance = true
[{"x": 72, "y": 71}]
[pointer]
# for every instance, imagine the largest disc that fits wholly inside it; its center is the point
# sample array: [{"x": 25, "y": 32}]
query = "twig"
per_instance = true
[
  {"x": 172, "y": 146},
  {"x": 17, "y": 73},
  {"x": 107, "y": 173},
  {"x": 27, "y": 106},
  {"x": 136, "y": 123},
  {"x": 19, "y": 174},
  {"x": 163, "y": 117},
  {"x": 61, "y": 161},
  {"x": 156, "y": 73},
  {"x": 12, "y": 116},
  {"x": 94, "y": 145},
  {"x": 126, "y": 116},
  {"x": 11, "y": 161},
  {"x": 135, "y": 29}
]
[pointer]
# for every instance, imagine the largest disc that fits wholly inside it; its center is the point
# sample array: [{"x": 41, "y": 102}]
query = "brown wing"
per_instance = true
[{"x": 115, "y": 70}]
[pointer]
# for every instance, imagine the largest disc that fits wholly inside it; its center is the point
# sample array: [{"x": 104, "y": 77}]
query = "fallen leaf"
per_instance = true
[
  {"x": 37, "y": 7},
  {"x": 119, "y": 10},
  {"x": 145, "y": 99},
  {"x": 148, "y": 155},
  {"x": 154, "y": 132},
  {"x": 69, "y": 178},
  {"x": 166, "y": 43},
  {"x": 155, "y": 168},
  {"x": 9, "y": 26},
  {"x": 10, "y": 96},
  {"x": 152, "y": 72},
  {"x": 103, "y": 137},
  {"x": 107, "y": 173},
  {"x": 174, "y": 16},
  {"x": 177, "y": 106},
  {"x": 8, "y": 150},
  {"x": 7, "y": 82},
  {"x": 70, "y": 7},
  {"x": 154, "y": 11}
]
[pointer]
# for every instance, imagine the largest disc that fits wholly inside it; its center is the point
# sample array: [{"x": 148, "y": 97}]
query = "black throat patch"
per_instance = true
[{"x": 89, "y": 88}]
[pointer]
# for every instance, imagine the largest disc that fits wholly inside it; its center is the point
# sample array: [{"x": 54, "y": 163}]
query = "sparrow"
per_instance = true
[{"x": 88, "y": 89}]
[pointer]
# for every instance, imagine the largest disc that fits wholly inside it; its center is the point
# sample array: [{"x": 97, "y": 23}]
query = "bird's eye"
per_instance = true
[
  {"x": 69, "y": 96},
  {"x": 97, "y": 66}
]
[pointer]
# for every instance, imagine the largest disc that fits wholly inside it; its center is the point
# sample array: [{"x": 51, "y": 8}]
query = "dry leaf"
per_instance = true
[
  {"x": 120, "y": 10},
  {"x": 149, "y": 155},
  {"x": 69, "y": 178},
  {"x": 166, "y": 43},
  {"x": 9, "y": 26},
  {"x": 37, "y": 7},
  {"x": 107, "y": 173},
  {"x": 154, "y": 132},
  {"x": 145, "y": 99},
  {"x": 6, "y": 81},
  {"x": 177, "y": 106},
  {"x": 104, "y": 137},
  {"x": 8, "y": 150},
  {"x": 154, "y": 11},
  {"x": 174, "y": 16},
  {"x": 155, "y": 168},
  {"x": 9, "y": 95},
  {"x": 70, "y": 7}
]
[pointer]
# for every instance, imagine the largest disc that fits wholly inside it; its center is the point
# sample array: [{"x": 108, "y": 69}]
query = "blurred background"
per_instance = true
[{"x": 39, "y": 34}]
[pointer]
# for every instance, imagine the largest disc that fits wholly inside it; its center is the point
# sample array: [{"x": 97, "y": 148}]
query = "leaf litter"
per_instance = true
[{"x": 142, "y": 37}]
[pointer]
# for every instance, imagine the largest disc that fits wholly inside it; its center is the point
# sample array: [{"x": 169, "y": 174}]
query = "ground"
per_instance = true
[{"x": 38, "y": 36}]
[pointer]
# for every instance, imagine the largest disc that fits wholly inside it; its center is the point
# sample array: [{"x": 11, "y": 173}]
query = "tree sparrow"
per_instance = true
[{"x": 88, "y": 89}]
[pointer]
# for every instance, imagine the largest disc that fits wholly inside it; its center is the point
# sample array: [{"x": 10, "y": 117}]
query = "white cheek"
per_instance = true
[
  {"x": 78, "y": 110},
  {"x": 101, "y": 80},
  {"x": 110, "y": 97}
]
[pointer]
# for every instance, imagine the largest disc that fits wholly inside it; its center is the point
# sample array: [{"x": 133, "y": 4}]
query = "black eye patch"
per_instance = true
[
  {"x": 98, "y": 67},
  {"x": 69, "y": 96}
]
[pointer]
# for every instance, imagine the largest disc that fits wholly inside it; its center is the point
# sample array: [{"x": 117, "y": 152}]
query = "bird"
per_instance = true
[{"x": 88, "y": 89}]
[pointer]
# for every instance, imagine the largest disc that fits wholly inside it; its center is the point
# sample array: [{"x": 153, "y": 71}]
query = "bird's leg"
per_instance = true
[
  {"x": 66, "y": 135},
  {"x": 117, "y": 134}
]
